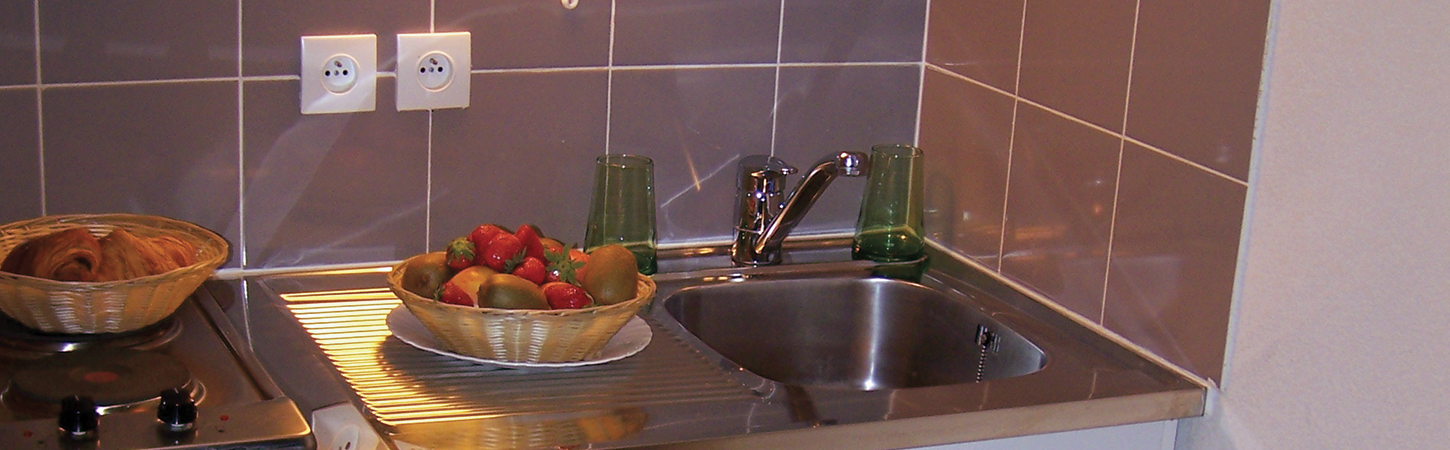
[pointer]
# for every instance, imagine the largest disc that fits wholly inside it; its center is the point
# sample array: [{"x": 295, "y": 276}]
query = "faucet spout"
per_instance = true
[{"x": 763, "y": 224}]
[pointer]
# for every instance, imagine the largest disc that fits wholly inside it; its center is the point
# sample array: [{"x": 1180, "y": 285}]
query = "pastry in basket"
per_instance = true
[
  {"x": 97, "y": 273},
  {"x": 124, "y": 256},
  {"x": 72, "y": 254},
  {"x": 182, "y": 252}
]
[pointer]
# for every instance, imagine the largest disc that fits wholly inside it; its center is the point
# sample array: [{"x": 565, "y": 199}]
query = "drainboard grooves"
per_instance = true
[{"x": 404, "y": 385}]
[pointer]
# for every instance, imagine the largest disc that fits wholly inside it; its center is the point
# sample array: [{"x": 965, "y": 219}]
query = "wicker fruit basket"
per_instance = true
[
  {"x": 522, "y": 335},
  {"x": 74, "y": 307}
]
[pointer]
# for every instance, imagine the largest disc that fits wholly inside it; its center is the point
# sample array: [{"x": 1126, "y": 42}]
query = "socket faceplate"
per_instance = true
[
  {"x": 339, "y": 74},
  {"x": 433, "y": 70}
]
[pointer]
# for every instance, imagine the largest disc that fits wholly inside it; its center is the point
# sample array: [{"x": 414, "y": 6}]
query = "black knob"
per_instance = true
[
  {"x": 78, "y": 417},
  {"x": 177, "y": 410}
]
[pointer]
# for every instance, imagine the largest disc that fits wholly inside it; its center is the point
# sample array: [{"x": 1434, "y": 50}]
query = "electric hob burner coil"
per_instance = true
[
  {"x": 18, "y": 340},
  {"x": 117, "y": 379}
]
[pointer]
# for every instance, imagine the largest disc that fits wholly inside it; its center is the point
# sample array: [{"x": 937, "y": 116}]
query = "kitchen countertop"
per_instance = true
[{"x": 322, "y": 336}]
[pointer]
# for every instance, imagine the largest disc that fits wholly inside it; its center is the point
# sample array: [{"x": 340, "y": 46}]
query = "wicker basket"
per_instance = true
[
  {"x": 74, "y": 307},
  {"x": 522, "y": 335}
]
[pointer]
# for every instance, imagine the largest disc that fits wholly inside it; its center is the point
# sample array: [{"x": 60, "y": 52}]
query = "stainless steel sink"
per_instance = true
[
  {"x": 812, "y": 353},
  {"x": 851, "y": 332}
]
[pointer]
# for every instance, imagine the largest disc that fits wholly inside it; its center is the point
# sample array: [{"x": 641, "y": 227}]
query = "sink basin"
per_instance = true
[{"x": 852, "y": 333}]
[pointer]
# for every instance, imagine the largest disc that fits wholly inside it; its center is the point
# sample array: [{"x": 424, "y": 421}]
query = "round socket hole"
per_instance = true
[
  {"x": 435, "y": 71},
  {"x": 339, "y": 74}
]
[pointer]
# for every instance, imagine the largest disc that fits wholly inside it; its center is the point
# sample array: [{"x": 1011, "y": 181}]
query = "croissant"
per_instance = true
[
  {"x": 124, "y": 256},
  {"x": 182, "y": 252},
  {"x": 72, "y": 254}
]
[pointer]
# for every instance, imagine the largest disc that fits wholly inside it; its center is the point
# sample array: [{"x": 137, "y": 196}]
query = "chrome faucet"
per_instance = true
[{"x": 764, "y": 216}]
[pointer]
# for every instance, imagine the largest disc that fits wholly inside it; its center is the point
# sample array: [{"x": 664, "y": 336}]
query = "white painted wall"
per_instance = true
[{"x": 1341, "y": 337}]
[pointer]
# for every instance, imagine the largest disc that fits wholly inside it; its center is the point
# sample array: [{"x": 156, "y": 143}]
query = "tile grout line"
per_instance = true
[
  {"x": 1130, "y": 139},
  {"x": 241, "y": 148},
  {"x": 641, "y": 68},
  {"x": 775, "y": 96},
  {"x": 39, "y": 111},
  {"x": 428, "y": 145},
  {"x": 921, "y": 76},
  {"x": 1011, "y": 138},
  {"x": 610, "y": 67},
  {"x": 609, "y": 81},
  {"x": 1118, "y": 178},
  {"x": 428, "y": 186},
  {"x": 241, "y": 175}
]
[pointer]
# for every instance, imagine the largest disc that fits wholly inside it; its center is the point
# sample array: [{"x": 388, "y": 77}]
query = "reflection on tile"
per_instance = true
[
  {"x": 523, "y": 152},
  {"x": 977, "y": 39},
  {"x": 965, "y": 134},
  {"x": 695, "y": 31},
  {"x": 1199, "y": 64},
  {"x": 272, "y": 29},
  {"x": 137, "y": 40},
  {"x": 1175, "y": 247},
  {"x": 332, "y": 188},
  {"x": 695, "y": 123},
  {"x": 161, "y": 149},
  {"x": 530, "y": 33},
  {"x": 1075, "y": 57},
  {"x": 826, "y": 110},
  {"x": 1059, "y": 208},
  {"x": 17, "y": 42},
  {"x": 20, "y": 151},
  {"x": 852, "y": 30}
]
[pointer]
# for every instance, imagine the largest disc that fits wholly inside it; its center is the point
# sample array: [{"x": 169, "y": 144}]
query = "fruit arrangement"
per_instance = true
[{"x": 493, "y": 267}]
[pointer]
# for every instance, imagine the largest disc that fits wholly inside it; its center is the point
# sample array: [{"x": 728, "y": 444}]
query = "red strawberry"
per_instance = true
[
  {"x": 562, "y": 265},
  {"x": 481, "y": 236},
  {"x": 529, "y": 235},
  {"x": 460, "y": 254},
  {"x": 531, "y": 269},
  {"x": 563, "y": 295},
  {"x": 454, "y": 295},
  {"x": 503, "y": 253}
]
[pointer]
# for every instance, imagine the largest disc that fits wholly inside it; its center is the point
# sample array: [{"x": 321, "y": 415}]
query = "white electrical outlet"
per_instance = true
[
  {"x": 339, "y": 74},
  {"x": 433, "y": 70}
]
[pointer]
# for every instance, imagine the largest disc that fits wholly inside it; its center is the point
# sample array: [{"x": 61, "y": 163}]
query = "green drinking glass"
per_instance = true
[
  {"x": 622, "y": 208},
  {"x": 889, "y": 228}
]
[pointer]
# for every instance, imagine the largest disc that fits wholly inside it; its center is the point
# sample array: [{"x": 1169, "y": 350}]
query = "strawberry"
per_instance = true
[
  {"x": 562, "y": 266},
  {"x": 531, "y": 269},
  {"x": 481, "y": 236},
  {"x": 454, "y": 295},
  {"x": 503, "y": 253},
  {"x": 563, "y": 295},
  {"x": 460, "y": 254},
  {"x": 529, "y": 236}
]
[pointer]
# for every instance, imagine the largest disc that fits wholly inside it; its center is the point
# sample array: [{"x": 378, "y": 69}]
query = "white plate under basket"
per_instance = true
[{"x": 635, "y": 336}]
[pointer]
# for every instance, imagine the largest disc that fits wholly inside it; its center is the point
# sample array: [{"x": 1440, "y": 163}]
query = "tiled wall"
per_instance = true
[
  {"x": 190, "y": 110},
  {"x": 1095, "y": 150},
  {"x": 1098, "y": 151}
]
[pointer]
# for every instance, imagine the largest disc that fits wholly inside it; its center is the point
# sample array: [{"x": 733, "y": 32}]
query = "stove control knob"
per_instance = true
[
  {"x": 177, "y": 410},
  {"x": 78, "y": 418}
]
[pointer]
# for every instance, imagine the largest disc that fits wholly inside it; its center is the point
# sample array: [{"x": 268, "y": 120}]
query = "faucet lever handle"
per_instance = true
[{"x": 762, "y": 172}]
